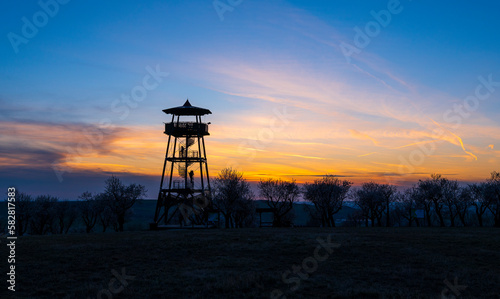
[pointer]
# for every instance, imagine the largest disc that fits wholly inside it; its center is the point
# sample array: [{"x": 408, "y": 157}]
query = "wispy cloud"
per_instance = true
[
  {"x": 360, "y": 135},
  {"x": 456, "y": 139}
]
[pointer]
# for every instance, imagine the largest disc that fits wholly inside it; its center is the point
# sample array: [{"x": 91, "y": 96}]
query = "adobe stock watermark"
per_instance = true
[
  {"x": 483, "y": 91},
  {"x": 363, "y": 36},
  {"x": 223, "y": 6},
  {"x": 199, "y": 205},
  {"x": 93, "y": 137},
  {"x": 116, "y": 285},
  {"x": 31, "y": 27},
  {"x": 452, "y": 291},
  {"x": 455, "y": 116},
  {"x": 265, "y": 136},
  {"x": 309, "y": 265}
]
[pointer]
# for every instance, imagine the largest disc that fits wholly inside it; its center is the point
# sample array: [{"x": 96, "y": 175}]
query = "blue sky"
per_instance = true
[{"x": 357, "y": 119}]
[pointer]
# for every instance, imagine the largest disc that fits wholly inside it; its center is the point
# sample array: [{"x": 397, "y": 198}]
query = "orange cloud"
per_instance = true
[
  {"x": 457, "y": 138},
  {"x": 363, "y": 136}
]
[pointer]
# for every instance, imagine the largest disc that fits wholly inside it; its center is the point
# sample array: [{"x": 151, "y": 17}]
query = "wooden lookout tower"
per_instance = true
[{"x": 185, "y": 194}]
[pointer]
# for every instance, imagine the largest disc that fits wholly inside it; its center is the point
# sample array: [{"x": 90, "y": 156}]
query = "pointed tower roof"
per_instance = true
[{"x": 187, "y": 109}]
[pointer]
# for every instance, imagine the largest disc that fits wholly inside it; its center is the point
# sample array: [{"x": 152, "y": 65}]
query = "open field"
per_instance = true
[{"x": 249, "y": 263}]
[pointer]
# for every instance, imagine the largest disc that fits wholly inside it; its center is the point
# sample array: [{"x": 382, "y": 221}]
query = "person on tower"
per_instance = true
[{"x": 191, "y": 177}]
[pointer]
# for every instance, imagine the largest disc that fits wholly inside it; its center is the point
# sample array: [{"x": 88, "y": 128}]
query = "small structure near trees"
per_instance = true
[{"x": 280, "y": 197}]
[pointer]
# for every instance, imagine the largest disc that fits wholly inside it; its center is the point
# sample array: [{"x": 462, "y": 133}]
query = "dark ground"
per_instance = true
[{"x": 249, "y": 263}]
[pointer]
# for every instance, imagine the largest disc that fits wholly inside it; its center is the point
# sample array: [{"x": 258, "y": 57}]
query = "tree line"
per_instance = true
[
  {"x": 46, "y": 214},
  {"x": 444, "y": 202}
]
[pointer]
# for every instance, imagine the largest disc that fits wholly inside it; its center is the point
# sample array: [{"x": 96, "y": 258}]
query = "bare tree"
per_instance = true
[
  {"x": 423, "y": 201},
  {"x": 232, "y": 197},
  {"x": 42, "y": 220},
  {"x": 355, "y": 218},
  {"x": 365, "y": 208},
  {"x": 431, "y": 192},
  {"x": 389, "y": 195},
  {"x": 450, "y": 192},
  {"x": 480, "y": 199},
  {"x": 404, "y": 206},
  {"x": 369, "y": 201},
  {"x": 121, "y": 198},
  {"x": 327, "y": 195},
  {"x": 280, "y": 196},
  {"x": 89, "y": 210},
  {"x": 106, "y": 217},
  {"x": 464, "y": 201},
  {"x": 244, "y": 214},
  {"x": 493, "y": 192},
  {"x": 24, "y": 212},
  {"x": 65, "y": 214},
  {"x": 374, "y": 200}
]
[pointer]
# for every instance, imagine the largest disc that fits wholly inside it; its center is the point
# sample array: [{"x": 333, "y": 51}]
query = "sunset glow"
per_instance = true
[{"x": 84, "y": 96}]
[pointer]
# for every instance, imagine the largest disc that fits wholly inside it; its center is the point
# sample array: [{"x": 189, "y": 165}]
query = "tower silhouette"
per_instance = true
[{"x": 185, "y": 183}]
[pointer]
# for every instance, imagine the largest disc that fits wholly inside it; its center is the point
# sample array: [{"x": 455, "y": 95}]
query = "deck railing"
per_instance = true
[{"x": 186, "y": 128}]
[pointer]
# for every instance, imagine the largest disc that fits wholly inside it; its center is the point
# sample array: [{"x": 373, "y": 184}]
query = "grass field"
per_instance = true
[{"x": 249, "y": 263}]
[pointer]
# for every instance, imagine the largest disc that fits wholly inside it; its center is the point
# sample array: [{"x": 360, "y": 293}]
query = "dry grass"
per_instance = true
[{"x": 371, "y": 263}]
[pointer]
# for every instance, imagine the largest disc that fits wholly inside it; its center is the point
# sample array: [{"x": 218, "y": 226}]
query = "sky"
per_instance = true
[{"x": 385, "y": 91}]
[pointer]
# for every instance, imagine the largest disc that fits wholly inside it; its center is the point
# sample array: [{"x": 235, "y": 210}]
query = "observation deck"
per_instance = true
[{"x": 183, "y": 129}]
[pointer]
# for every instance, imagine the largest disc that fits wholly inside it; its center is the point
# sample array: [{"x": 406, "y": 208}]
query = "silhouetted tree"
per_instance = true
[
  {"x": 369, "y": 201},
  {"x": 244, "y": 213},
  {"x": 65, "y": 214},
  {"x": 42, "y": 220},
  {"x": 365, "y": 208},
  {"x": 464, "y": 201},
  {"x": 374, "y": 200},
  {"x": 480, "y": 199},
  {"x": 233, "y": 198},
  {"x": 107, "y": 218},
  {"x": 388, "y": 193},
  {"x": 327, "y": 195},
  {"x": 493, "y": 192},
  {"x": 355, "y": 218},
  {"x": 431, "y": 192},
  {"x": 404, "y": 206},
  {"x": 421, "y": 200},
  {"x": 121, "y": 198},
  {"x": 280, "y": 196},
  {"x": 450, "y": 191},
  {"x": 24, "y": 211},
  {"x": 103, "y": 204},
  {"x": 89, "y": 210}
]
